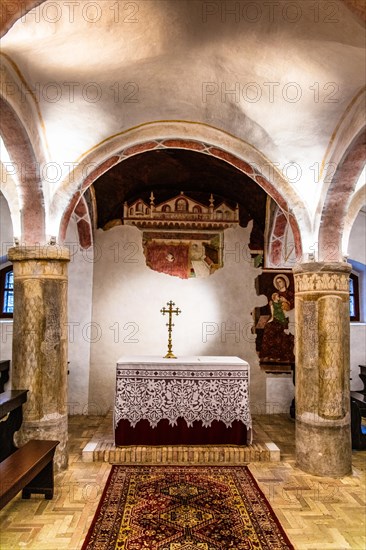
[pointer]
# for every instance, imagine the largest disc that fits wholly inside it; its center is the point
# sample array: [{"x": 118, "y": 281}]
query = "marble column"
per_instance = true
[
  {"x": 39, "y": 361},
  {"x": 323, "y": 438}
]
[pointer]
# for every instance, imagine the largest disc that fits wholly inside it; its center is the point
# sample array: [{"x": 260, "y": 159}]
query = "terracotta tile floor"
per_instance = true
[{"x": 317, "y": 513}]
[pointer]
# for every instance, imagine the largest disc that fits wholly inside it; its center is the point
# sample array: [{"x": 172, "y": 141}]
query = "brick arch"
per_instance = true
[
  {"x": 338, "y": 199},
  {"x": 192, "y": 145},
  {"x": 26, "y": 172},
  {"x": 78, "y": 195}
]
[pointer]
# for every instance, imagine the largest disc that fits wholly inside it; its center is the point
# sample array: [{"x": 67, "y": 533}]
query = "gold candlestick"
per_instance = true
[{"x": 170, "y": 311}]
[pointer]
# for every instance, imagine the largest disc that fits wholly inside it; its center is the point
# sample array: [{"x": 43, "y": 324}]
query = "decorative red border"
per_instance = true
[
  {"x": 191, "y": 145},
  {"x": 100, "y": 504},
  {"x": 251, "y": 478}
]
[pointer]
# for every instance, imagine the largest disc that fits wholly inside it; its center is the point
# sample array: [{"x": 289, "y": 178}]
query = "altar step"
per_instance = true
[
  {"x": 107, "y": 452},
  {"x": 102, "y": 449}
]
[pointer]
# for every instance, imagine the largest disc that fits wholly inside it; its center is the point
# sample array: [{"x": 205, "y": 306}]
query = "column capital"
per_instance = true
[
  {"x": 319, "y": 267},
  {"x": 39, "y": 252},
  {"x": 328, "y": 277}
]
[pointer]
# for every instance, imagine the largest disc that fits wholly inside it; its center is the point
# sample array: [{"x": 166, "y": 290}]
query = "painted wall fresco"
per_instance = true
[
  {"x": 183, "y": 255},
  {"x": 274, "y": 322},
  {"x": 181, "y": 236},
  {"x": 279, "y": 241}
]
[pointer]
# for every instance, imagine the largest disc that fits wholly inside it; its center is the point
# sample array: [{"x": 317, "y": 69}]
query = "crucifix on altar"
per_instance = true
[{"x": 170, "y": 311}]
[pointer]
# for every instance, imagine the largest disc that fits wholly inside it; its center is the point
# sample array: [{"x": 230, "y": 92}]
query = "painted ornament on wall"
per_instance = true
[
  {"x": 181, "y": 236},
  {"x": 280, "y": 249},
  {"x": 274, "y": 322}
]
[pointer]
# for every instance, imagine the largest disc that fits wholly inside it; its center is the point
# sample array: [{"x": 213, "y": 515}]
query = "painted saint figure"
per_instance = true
[{"x": 277, "y": 343}]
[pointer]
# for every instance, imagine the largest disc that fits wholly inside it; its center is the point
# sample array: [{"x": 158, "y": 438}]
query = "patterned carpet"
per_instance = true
[{"x": 184, "y": 508}]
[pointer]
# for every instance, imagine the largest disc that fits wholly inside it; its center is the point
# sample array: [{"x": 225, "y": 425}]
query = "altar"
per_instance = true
[{"x": 190, "y": 400}]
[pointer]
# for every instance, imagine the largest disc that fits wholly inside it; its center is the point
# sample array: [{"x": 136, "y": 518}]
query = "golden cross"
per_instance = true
[{"x": 170, "y": 311}]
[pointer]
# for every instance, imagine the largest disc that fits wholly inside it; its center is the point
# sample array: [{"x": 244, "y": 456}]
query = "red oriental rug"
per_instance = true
[{"x": 184, "y": 508}]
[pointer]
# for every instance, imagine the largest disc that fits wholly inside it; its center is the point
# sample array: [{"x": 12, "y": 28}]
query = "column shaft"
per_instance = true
[
  {"x": 39, "y": 361},
  {"x": 323, "y": 438}
]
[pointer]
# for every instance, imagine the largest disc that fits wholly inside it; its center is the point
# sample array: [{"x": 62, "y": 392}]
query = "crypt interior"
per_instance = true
[{"x": 208, "y": 153}]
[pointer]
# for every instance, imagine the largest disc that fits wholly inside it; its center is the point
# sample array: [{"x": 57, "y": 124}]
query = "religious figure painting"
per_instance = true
[
  {"x": 180, "y": 256},
  {"x": 274, "y": 322},
  {"x": 182, "y": 237}
]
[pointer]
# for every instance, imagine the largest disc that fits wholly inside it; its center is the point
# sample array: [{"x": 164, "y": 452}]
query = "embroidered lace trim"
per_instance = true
[{"x": 192, "y": 394}]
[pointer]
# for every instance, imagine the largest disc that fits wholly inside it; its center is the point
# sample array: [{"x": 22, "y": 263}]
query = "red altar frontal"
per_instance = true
[{"x": 185, "y": 401}]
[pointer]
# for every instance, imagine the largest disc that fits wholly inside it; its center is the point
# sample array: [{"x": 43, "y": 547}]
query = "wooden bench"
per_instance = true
[
  {"x": 358, "y": 410},
  {"x": 29, "y": 469},
  {"x": 362, "y": 375},
  {"x": 4, "y": 373},
  {"x": 11, "y": 417}
]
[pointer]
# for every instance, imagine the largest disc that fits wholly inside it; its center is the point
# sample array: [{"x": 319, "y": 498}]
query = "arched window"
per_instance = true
[
  {"x": 181, "y": 205},
  {"x": 7, "y": 292},
  {"x": 354, "y": 300}
]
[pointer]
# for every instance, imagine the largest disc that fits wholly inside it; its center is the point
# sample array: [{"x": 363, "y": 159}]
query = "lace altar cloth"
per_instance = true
[{"x": 199, "y": 388}]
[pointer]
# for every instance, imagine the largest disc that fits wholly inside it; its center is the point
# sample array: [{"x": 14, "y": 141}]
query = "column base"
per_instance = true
[
  {"x": 54, "y": 428},
  {"x": 324, "y": 450}
]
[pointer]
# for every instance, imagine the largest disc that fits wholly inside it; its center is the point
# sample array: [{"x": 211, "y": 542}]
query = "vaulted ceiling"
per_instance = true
[
  {"x": 279, "y": 84},
  {"x": 167, "y": 173}
]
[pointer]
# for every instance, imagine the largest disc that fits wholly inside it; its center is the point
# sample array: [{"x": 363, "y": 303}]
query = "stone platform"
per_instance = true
[{"x": 101, "y": 448}]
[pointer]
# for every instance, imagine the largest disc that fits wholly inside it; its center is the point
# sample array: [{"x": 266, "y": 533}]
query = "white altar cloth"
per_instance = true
[{"x": 202, "y": 388}]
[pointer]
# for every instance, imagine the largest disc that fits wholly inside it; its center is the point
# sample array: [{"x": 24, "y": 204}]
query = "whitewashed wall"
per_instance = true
[
  {"x": 6, "y": 240},
  {"x": 280, "y": 392},
  {"x": 6, "y": 228},
  {"x": 357, "y": 252},
  {"x": 358, "y": 354},
  {"x": 357, "y": 240},
  {"x": 128, "y": 296},
  {"x": 80, "y": 298}
]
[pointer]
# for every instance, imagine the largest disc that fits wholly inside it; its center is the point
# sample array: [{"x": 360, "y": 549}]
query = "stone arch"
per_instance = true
[
  {"x": 24, "y": 102},
  {"x": 337, "y": 202},
  {"x": 197, "y": 137},
  {"x": 181, "y": 205},
  {"x": 12, "y": 10},
  {"x": 26, "y": 171},
  {"x": 83, "y": 223},
  {"x": 357, "y": 202},
  {"x": 9, "y": 190}
]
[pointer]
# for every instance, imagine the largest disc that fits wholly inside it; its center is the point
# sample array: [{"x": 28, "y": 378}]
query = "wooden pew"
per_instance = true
[
  {"x": 358, "y": 410},
  {"x": 4, "y": 373},
  {"x": 362, "y": 375},
  {"x": 29, "y": 469},
  {"x": 11, "y": 416}
]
